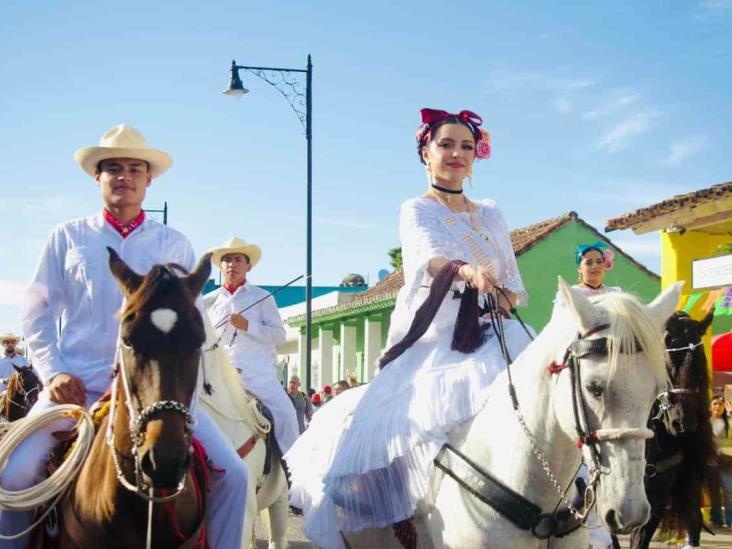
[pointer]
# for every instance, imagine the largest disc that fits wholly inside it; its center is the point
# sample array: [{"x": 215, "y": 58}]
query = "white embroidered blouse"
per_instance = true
[{"x": 427, "y": 230}]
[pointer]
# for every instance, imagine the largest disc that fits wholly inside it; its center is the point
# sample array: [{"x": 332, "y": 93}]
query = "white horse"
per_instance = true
[
  {"x": 615, "y": 394},
  {"x": 234, "y": 411}
]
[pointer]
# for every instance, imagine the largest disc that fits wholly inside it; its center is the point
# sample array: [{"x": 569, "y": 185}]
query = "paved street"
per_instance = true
[{"x": 723, "y": 538}]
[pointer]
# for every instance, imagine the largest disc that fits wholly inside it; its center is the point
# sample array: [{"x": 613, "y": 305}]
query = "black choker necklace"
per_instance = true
[
  {"x": 593, "y": 287},
  {"x": 444, "y": 190}
]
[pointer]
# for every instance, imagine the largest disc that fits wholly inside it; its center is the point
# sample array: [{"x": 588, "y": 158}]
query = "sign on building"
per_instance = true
[{"x": 711, "y": 272}]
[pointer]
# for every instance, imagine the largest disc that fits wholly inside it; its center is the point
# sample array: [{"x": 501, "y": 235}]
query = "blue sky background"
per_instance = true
[{"x": 593, "y": 106}]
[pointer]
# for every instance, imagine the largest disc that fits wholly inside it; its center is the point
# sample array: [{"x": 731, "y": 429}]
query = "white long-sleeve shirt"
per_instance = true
[
  {"x": 252, "y": 351},
  {"x": 73, "y": 283}
]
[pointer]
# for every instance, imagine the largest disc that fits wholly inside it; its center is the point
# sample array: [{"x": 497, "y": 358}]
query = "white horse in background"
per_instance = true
[
  {"x": 234, "y": 411},
  {"x": 617, "y": 392}
]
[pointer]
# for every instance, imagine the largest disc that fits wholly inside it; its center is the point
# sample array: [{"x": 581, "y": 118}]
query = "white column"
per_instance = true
[
  {"x": 348, "y": 350},
  {"x": 325, "y": 357},
  {"x": 371, "y": 347},
  {"x": 335, "y": 371},
  {"x": 299, "y": 368}
]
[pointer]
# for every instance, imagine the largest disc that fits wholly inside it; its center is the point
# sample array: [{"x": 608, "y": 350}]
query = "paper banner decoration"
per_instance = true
[
  {"x": 692, "y": 299},
  {"x": 724, "y": 304}
]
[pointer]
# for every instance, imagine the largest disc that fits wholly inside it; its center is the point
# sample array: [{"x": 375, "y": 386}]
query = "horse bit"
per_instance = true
[{"x": 138, "y": 421}]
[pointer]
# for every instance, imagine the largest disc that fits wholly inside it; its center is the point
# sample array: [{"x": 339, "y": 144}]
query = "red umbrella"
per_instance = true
[{"x": 722, "y": 353}]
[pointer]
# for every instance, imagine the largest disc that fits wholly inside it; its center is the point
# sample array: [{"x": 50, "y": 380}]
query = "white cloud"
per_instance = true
[
  {"x": 11, "y": 293},
  {"x": 613, "y": 104},
  {"x": 684, "y": 148},
  {"x": 506, "y": 80},
  {"x": 619, "y": 136}
]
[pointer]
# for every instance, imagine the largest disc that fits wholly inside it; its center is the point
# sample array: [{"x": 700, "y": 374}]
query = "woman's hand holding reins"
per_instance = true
[{"x": 480, "y": 277}]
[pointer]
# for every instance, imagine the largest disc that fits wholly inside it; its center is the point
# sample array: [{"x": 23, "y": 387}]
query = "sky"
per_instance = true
[{"x": 596, "y": 107}]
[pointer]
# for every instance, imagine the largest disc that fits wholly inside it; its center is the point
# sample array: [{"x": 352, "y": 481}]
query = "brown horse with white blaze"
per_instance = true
[{"x": 137, "y": 486}]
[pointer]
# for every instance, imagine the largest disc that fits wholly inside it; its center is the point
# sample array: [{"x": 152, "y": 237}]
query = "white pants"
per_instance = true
[
  {"x": 227, "y": 492},
  {"x": 273, "y": 396}
]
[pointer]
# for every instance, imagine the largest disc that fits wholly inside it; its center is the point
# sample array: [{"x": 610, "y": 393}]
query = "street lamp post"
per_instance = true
[{"x": 302, "y": 105}]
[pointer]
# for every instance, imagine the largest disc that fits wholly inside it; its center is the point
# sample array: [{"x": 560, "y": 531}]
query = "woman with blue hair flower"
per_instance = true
[{"x": 592, "y": 262}]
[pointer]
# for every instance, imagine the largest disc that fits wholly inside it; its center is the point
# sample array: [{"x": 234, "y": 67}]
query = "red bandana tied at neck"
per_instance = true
[
  {"x": 231, "y": 289},
  {"x": 124, "y": 230}
]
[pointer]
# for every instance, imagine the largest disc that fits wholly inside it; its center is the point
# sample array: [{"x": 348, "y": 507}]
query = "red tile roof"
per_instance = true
[{"x": 678, "y": 202}]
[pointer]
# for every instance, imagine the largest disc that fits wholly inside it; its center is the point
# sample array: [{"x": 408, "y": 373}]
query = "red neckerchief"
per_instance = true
[
  {"x": 232, "y": 289},
  {"x": 124, "y": 230}
]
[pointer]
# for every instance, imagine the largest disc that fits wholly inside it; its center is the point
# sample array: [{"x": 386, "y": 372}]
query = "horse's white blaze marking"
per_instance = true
[{"x": 164, "y": 319}]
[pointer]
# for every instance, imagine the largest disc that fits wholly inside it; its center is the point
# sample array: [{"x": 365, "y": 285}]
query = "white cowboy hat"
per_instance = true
[
  {"x": 123, "y": 141},
  {"x": 236, "y": 246},
  {"x": 9, "y": 336}
]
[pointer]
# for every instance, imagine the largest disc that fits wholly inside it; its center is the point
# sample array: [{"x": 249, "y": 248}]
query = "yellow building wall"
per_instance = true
[{"x": 678, "y": 250}]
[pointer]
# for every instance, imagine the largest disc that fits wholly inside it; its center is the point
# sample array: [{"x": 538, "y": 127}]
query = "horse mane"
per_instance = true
[
  {"x": 151, "y": 284},
  {"x": 631, "y": 325},
  {"x": 7, "y": 398}
]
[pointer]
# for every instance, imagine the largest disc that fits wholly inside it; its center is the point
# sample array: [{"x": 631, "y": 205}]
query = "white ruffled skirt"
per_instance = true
[{"x": 367, "y": 458}]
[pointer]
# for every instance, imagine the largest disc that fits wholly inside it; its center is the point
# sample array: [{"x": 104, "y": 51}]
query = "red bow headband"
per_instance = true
[{"x": 430, "y": 117}]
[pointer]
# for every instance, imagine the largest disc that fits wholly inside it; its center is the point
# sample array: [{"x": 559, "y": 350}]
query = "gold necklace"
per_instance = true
[{"x": 446, "y": 199}]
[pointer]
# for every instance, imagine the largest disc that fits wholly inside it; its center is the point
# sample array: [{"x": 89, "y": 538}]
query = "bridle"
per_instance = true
[
  {"x": 581, "y": 348},
  {"x": 666, "y": 400},
  {"x": 138, "y": 421},
  {"x": 28, "y": 401}
]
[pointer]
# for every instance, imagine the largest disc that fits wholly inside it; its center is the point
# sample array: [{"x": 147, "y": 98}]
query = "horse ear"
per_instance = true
[
  {"x": 127, "y": 279},
  {"x": 16, "y": 368},
  {"x": 705, "y": 322},
  {"x": 665, "y": 304},
  {"x": 582, "y": 309},
  {"x": 198, "y": 278}
]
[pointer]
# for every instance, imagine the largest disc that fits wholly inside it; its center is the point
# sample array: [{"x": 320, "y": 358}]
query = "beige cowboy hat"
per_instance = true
[
  {"x": 123, "y": 141},
  {"x": 9, "y": 336},
  {"x": 236, "y": 246}
]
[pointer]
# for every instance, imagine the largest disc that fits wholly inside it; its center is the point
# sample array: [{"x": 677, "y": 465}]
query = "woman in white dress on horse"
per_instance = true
[{"x": 367, "y": 459}]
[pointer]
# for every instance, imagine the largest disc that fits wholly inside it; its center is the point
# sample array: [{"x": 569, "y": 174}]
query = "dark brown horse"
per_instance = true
[
  {"x": 21, "y": 394},
  {"x": 683, "y": 445},
  {"x": 142, "y": 452}
]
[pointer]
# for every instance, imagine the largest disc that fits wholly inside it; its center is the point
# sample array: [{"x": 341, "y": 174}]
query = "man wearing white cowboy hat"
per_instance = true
[
  {"x": 249, "y": 326},
  {"x": 10, "y": 359},
  {"x": 73, "y": 283}
]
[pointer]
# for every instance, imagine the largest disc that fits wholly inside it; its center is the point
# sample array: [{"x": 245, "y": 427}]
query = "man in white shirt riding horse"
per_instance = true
[
  {"x": 73, "y": 283},
  {"x": 249, "y": 326}
]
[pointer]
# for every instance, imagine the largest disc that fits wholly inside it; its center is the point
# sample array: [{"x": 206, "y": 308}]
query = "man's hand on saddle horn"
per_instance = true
[
  {"x": 480, "y": 277},
  {"x": 65, "y": 388}
]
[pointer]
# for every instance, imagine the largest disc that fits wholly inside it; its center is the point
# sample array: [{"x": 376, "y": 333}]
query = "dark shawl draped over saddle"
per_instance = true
[{"x": 467, "y": 335}]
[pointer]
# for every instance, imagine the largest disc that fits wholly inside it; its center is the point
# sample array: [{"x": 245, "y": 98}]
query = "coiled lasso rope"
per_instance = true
[{"x": 52, "y": 488}]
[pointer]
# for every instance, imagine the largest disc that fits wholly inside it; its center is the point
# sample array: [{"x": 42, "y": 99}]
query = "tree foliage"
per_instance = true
[{"x": 395, "y": 254}]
